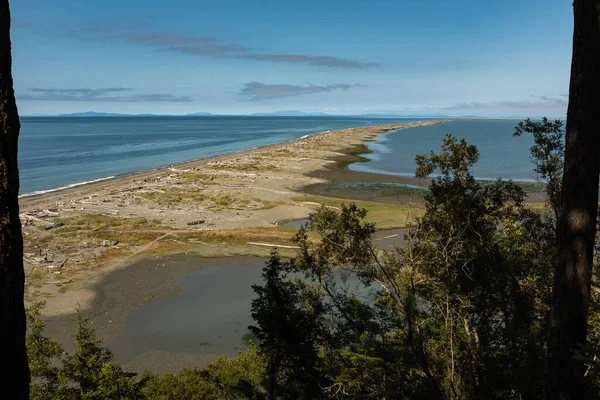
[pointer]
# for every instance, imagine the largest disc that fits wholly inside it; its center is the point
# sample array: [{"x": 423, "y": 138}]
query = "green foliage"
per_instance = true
[
  {"x": 43, "y": 354},
  {"x": 188, "y": 384},
  {"x": 91, "y": 372},
  {"x": 453, "y": 162},
  {"x": 86, "y": 365},
  {"x": 460, "y": 313},
  {"x": 289, "y": 317},
  {"x": 113, "y": 383},
  {"x": 239, "y": 378},
  {"x": 484, "y": 281},
  {"x": 224, "y": 379},
  {"x": 547, "y": 154},
  {"x": 88, "y": 374}
]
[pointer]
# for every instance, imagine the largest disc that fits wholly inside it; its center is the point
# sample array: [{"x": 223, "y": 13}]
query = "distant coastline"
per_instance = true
[
  {"x": 289, "y": 113},
  {"x": 59, "y": 152}
]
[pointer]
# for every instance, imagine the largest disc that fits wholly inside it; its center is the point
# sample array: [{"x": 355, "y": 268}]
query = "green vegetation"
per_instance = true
[
  {"x": 230, "y": 201},
  {"x": 461, "y": 312},
  {"x": 197, "y": 178},
  {"x": 226, "y": 378},
  {"x": 384, "y": 215},
  {"x": 247, "y": 167},
  {"x": 100, "y": 227},
  {"x": 91, "y": 372},
  {"x": 102, "y": 221},
  {"x": 282, "y": 153},
  {"x": 354, "y": 157}
]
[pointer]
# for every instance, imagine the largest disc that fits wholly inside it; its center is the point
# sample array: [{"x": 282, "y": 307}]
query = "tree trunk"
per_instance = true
[
  {"x": 579, "y": 202},
  {"x": 13, "y": 356}
]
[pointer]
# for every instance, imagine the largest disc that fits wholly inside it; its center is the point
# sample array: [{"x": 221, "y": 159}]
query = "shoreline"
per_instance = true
[
  {"x": 74, "y": 236},
  {"x": 108, "y": 293},
  {"x": 31, "y": 198}
]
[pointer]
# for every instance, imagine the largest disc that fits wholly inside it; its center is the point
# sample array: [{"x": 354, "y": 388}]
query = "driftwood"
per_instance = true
[
  {"x": 388, "y": 237},
  {"x": 62, "y": 264},
  {"x": 198, "y": 222},
  {"x": 205, "y": 244},
  {"x": 273, "y": 245},
  {"x": 57, "y": 225},
  {"x": 59, "y": 282}
]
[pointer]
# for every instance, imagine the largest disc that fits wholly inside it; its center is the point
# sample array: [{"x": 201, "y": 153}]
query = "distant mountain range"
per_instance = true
[
  {"x": 287, "y": 113},
  {"x": 290, "y": 113}
]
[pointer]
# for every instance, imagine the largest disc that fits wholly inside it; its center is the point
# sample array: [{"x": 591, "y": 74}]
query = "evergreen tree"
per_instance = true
[{"x": 288, "y": 318}]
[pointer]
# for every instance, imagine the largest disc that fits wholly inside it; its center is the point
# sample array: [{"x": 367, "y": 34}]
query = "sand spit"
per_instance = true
[{"x": 212, "y": 207}]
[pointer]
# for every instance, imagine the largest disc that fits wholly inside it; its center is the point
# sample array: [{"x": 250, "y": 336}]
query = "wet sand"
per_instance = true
[
  {"x": 152, "y": 280},
  {"x": 122, "y": 291}
]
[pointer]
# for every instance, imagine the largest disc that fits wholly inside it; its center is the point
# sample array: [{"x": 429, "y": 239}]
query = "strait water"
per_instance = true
[
  {"x": 501, "y": 154},
  {"x": 55, "y": 152}
]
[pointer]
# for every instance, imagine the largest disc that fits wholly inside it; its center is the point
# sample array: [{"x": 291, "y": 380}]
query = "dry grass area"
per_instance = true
[
  {"x": 255, "y": 166},
  {"x": 80, "y": 241},
  {"x": 233, "y": 201},
  {"x": 89, "y": 241}
]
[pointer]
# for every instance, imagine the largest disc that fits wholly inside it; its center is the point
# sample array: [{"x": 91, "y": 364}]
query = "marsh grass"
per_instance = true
[
  {"x": 384, "y": 215},
  {"x": 355, "y": 157}
]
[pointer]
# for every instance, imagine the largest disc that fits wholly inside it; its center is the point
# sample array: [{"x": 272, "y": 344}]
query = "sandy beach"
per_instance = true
[{"x": 215, "y": 207}]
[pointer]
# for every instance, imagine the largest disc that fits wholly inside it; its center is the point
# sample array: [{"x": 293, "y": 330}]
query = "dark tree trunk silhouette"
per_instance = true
[
  {"x": 577, "y": 223},
  {"x": 13, "y": 356}
]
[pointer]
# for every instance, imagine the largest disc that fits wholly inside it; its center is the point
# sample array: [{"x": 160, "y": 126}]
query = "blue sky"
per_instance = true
[{"x": 461, "y": 57}]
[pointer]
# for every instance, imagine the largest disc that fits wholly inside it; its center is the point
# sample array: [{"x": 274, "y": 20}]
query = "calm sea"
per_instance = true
[
  {"x": 56, "y": 152},
  {"x": 501, "y": 154}
]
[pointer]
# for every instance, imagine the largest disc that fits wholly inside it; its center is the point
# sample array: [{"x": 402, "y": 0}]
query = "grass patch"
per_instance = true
[
  {"x": 102, "y": 221},
  {"x": 197, "y": 178},
  {"x": 376, "y": 192},
  {"x": 230, "y": 201},
  {"x": 384, "y": 215},
  {"x": 63, "y": 288},
  {"x": 282, "y": 153},
  {"x": 246, "y": 167},
  {"x": 35, "y": 276},
  {"x": 128, "y": 236},
  {"x": 175, "y": 196},
  {"x": 354, "y": 157}
]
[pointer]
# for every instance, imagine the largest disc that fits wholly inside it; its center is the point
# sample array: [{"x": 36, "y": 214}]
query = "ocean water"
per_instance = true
[
  {"x": 56, "y": 152},
  {"x": 501, "y": 154}
]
